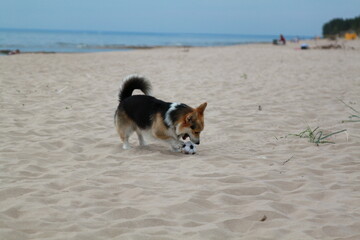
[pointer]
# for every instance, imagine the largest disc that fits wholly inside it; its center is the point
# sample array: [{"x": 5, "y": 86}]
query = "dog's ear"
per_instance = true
[{"x": 200, "y": 109}]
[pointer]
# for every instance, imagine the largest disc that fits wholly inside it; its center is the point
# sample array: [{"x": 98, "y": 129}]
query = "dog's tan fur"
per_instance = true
[
  {"x": 194, "y": 119},
  {"x": 190, "y": 123},
  {"x": 145, "y": 114}
]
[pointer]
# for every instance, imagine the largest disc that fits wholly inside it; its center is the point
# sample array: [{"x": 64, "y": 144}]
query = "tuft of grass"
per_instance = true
[
  {"x": 316, "y": 136},
  {"x": 355, "y": 117}
]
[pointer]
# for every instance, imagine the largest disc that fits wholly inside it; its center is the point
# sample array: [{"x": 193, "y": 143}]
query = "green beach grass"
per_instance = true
[
  {"x": 354, "y": 117},
  {"x": 316, "y": 136}
]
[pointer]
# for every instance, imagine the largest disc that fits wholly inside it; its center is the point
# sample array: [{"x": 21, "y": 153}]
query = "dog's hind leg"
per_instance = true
[
  {"x": 125, "y": 135},
  {"x": 126, "y": 144},
  {"x": 124, "y": 129},
  {"x": 142, "y": 141}
]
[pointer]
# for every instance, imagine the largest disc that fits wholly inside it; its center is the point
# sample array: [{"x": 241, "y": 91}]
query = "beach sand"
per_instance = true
[{"x": 64, "y": 174}]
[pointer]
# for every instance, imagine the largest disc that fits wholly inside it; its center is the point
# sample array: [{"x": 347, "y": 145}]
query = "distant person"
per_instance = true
[
  {"x": 17, "y": 51},
  {"x": 282, "y": 39}
]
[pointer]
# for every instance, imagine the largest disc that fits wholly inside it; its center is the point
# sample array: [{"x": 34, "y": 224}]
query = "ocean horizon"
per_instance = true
[{"x": 36, "y": 40}]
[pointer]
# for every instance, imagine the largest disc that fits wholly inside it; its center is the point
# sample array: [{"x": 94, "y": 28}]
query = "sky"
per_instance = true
[{"x": 301, "y": 17}]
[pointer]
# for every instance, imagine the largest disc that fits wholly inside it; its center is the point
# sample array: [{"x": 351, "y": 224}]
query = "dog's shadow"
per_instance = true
[
  {"x": 150, "y": 149},
  {"x": 156, "y": 148}
]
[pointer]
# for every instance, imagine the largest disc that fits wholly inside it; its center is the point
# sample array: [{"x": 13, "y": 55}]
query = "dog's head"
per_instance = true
[{"x": 192, "y": 124}]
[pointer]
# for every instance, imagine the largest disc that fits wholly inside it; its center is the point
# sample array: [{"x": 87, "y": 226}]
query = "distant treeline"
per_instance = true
[{"x": 339, "y": 26}]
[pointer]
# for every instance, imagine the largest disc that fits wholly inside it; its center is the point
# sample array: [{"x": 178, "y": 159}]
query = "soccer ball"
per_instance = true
[{"x": 188, "y": 148}]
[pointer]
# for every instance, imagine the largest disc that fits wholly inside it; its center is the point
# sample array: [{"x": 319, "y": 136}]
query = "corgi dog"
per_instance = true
[{"x": 148, "y": 115}]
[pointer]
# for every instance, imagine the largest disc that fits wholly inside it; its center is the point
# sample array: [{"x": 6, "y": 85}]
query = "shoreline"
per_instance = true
[
  {"x": 124, "y": 48},
  {"x": 322, "y": 43}
]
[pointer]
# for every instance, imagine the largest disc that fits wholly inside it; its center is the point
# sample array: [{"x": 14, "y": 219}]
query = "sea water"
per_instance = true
[{"x": 94, "y": 41}]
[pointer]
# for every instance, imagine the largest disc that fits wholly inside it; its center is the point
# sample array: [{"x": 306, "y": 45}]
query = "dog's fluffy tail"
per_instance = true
[{"x": 133, "y": 82}]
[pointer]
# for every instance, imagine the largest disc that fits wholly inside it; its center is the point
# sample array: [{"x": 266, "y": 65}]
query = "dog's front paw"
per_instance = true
[
  {"x": 177, "y": 146},
  {"x": 175, "y": 149},
  {"x": 126, "y": 146}
]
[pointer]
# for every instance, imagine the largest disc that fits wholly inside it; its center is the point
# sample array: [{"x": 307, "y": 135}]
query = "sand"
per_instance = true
[{"x": 64, "y": 174}]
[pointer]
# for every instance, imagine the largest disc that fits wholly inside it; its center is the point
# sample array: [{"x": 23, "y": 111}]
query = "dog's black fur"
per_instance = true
[
  {"x": 142, "y": 108},
  {"x": 164, "y": 120}
]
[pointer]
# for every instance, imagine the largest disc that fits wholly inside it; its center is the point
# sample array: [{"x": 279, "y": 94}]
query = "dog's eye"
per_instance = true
[{"x": 192, "y": 127}]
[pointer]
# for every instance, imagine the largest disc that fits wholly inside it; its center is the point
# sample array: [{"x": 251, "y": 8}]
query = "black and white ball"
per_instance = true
[{"x": 188, "y": 148}]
